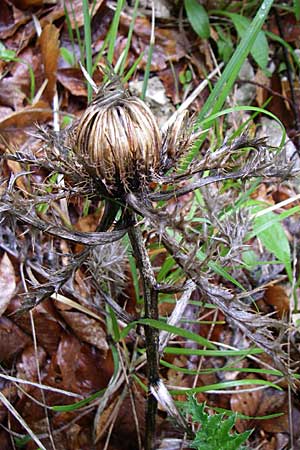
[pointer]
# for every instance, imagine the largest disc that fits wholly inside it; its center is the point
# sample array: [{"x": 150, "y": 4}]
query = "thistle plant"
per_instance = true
[{"x": 116, "y": 153}]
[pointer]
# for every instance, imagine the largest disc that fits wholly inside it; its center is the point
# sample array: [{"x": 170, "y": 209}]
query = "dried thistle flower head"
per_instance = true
[{"x": 119, "y": 140}]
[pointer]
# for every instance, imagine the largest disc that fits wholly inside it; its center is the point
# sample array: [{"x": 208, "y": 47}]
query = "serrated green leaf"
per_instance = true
[
  {"x": 215, "y": 431},
  {"x": 198, "y": 18}
]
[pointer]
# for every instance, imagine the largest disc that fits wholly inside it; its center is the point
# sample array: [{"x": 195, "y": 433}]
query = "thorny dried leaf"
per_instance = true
[{"x": 49, "y": 323}]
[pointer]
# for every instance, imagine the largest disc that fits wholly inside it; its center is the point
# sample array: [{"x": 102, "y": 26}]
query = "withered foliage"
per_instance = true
[
  {"x": 104, "y": 163},
  {"x": 116, "y": 154}
]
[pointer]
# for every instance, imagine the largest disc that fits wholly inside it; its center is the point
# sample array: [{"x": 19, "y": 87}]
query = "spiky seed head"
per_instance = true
[{"x": 118, "y": 140}]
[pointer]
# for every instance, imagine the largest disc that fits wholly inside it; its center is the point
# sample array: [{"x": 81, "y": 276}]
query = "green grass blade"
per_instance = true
[
  {"x": 133, "y": 68},
  {"x": 160, "y": 325},
  {"x": 274, "y": 372},
  {"x": 114, "y": 31},
  {"x": 220, "y": 353},
  {"x": 274, "y": 239},
  {"x": 129, "y": 37},
  {"x": 80, "y": 404},
  {"x": 221, "y": 90},
  {"x": 149, "y": 58},
  {"x": 225, "y": 385},
  {"x": 88, "y": 44},
  {"x": 297, "y": 9},
  {"x": 216, "y": 99}
]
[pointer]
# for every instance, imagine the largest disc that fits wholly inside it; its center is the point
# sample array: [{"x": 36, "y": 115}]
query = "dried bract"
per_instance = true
[{"x": 118, "y": 140}]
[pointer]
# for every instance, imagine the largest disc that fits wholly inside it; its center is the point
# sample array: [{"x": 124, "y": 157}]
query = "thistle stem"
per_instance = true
[{"x": 151, "y": 334}]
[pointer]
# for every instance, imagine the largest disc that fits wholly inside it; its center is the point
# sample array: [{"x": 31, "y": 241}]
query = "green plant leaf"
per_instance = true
[
  {"x": 198, "y": 18},
  {"x": 6, "y": 54},
  {"x": 273, "y": 237},
  {"x": 160, "y": 325},
  {"x": 220, "y": 353},
  {"x": 215, "y": 431},
  {"x": 219, "y": 94},
  {"x": 88, "y": 44},
  {"x": 297, "y": 9},
  {"x": 260, "y": 48},
  {"x": 80, "y": 404},
  {"x": 67, "y": 56}
]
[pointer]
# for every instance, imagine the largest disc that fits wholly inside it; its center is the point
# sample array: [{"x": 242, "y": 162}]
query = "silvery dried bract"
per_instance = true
[{"x": 118, "y": 140}]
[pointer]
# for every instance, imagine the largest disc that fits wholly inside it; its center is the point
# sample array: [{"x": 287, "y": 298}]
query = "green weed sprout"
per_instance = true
[{"x": 214, "y": 433}]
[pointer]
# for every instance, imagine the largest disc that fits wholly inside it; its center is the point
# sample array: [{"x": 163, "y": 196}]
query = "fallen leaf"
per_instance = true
[
  {"x": 26, "y": 4},
  {"x": 11, "y": 94},
  {"x": 87, "y": 329},
  {"x": 46, "y": 323},
  {"x": 261, "y": 92},
  {"x": 7, "y": 282},
  {"x": 12, "y": 339},
  {"x": 75, "y": 11},
  {"x": 83, "y": 369},
  {"x": 277, "y": 297},
  {"x": 49, "y": 44},
  {"x": 255, "y": 404},
  {"x": 27, "y": 366},
  {"x": 39, "y": 112},
  {"x": 11, "y": 19},
  {"x": 281, "y": 424},
  {"x": 168, "y": 43},
  {"x": 124, "y": 432},
  {"x": 72, "y": 79},
  {"x": 9, "y": 390}
]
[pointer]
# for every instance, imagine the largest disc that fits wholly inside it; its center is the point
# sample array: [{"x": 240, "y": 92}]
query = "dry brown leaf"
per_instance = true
[
  {"x": 168, "y": 43},
  {"x": 82, "y": 367},
  {"x": 49, "y": 44},
  {"x": 11, "y": 93},
  {"x": 74, "y": 8},
  {"x": 47, "y": 325},
  {"x": 124, "y": 433},
  {"x": 261, "y": 92},
  {"x": 255, "y": 404},
  {"x": 26, "y": 4},
  {"x": 39, "y": 112},
  {"x": 16, "y": 168},
  {"x": 11, "y": 19},
  {"x": 72, "y": 79},
  {"x": 12, "y": 339},
  {"x": 7, "y": 282},
  {"x": 87, "y": 329},
  {"x": 9, "y": 390},
  {"x": 27, "y": 366},
  {"x": 277, "y": 297},
  {"x": 105, "y": 420}
]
